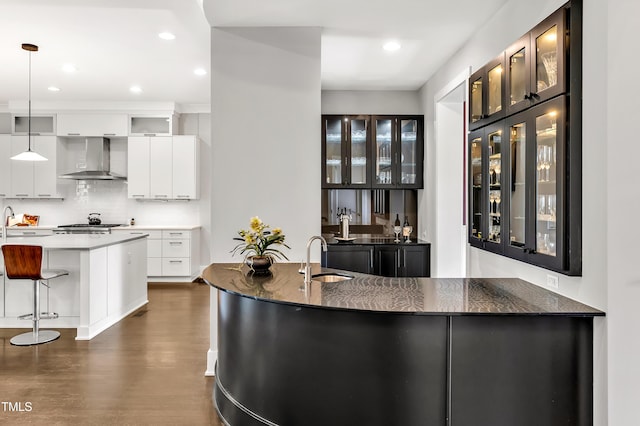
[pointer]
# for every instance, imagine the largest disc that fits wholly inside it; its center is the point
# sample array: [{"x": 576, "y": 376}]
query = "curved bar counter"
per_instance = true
[{"x": 398, "y": 351}]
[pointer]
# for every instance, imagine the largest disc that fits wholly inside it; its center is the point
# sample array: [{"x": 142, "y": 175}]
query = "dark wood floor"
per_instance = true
[{"x": 148, "y": 369}]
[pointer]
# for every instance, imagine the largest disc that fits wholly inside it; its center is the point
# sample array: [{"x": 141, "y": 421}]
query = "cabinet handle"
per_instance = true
[
  {"x": 136, "y": 233},
  {"x": 182, "y": 196},
  {"x": 175, "y": 243},
  {"x": 73, "y": 134},
  {"x": 28, "y": 232},
  {"x": 3, "y": 195},
  {"x": 108, "y": 134},
  {"x": 160, "y": 196},
  {"x": 22, "y": 195},
  {"x": 137, "y": 196},
  {"x": 149, "y": 134},
  {"x": 175, "y": 261},
  {"x": 44, "y": 195}
]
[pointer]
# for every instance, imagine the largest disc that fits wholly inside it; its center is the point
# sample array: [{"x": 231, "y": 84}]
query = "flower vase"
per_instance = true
[{"x": 259, "y": 265}]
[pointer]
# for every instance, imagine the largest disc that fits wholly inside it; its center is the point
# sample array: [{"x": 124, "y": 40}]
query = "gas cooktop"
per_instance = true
[{"x": 87, "y": 225}]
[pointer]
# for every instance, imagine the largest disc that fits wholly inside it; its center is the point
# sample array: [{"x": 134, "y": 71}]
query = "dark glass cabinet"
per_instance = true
[
  {"x": 524, "y": 170},
  {"x": 486, "y": 163},
  {"x": 487, "y": 93},
  {"x": 397, "y": 151},
  {"x": 536, "y": 64},
  {"x": 345, "y": 148}
]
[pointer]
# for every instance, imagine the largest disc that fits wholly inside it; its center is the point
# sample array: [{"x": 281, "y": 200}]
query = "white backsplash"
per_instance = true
[{"x": 109, "y": 198}]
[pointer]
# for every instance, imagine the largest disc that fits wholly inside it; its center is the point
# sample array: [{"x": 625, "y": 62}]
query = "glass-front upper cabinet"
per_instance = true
[
  {"x": 538, "y": 192},
  {"x": 535, "y": 64},
  {"x": 345, "y": 144},
  {"x": 397, "y": 151},
  {"x": 486, "y": 195},
  {"x": 486, "y": 93}
]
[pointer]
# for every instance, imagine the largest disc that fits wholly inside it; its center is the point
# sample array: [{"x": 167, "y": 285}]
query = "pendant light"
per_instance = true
[{"x": 29, "y": 155}]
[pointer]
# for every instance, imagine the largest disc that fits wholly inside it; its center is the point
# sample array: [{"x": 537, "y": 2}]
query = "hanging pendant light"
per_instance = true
[{"x": 29, "y": 155}]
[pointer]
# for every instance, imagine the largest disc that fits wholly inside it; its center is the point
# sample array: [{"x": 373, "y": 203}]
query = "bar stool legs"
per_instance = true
[{"x": 36, "y": 336}]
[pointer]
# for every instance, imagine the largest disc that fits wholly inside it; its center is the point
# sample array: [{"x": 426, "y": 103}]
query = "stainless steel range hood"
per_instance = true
[{"x": 97, "y": 162}]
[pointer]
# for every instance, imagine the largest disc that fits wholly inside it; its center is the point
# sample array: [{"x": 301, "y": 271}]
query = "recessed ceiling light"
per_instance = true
[
  {"x": 135, "y": 89},
  {"x": 69, "y": 68},
  {"x": 53, "y": 89},
  {"x": 200, "y": 71},
  {"x": 391, "y": 46},
  {"x": 166, "y": 36}
]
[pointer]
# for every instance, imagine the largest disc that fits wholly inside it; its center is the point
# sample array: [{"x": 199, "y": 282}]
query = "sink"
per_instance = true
[{"x": 331, "y": 277}]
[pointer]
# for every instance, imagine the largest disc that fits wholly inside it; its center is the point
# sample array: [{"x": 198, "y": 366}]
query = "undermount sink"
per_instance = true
[{"x": 331, "y": 277}]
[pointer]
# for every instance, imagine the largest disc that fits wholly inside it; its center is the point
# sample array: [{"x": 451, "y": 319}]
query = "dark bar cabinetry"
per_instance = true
[
  {"x": 387, "y": 260},
  {"x": 524, "y": 170}
]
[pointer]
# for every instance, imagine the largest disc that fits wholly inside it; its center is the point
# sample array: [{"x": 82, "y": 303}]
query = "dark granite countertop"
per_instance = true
[
  {"x": 371, "y": 239},
  {"x": 434, "y": 296}
]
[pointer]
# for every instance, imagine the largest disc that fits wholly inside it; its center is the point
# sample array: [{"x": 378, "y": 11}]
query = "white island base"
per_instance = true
[{"x": 107, "y": 281}]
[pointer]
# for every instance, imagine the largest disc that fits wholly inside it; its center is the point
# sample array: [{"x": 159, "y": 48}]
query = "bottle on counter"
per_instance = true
[
  {"x": 397, "y": 222},
  {"x": 406, "y": 229}
]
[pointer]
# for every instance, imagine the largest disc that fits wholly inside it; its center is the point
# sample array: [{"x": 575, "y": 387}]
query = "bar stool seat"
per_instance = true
[{"x": 25, "y": 262}]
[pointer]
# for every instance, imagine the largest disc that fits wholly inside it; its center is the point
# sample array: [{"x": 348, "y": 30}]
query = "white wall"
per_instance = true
[
  {"x": 265, "y": 106},
  {"x": 618, "y": 167},
  {"x": 371, "y": 102},
  {"x": 599, "y": 278},
  {"x": 448, "y": 257}
]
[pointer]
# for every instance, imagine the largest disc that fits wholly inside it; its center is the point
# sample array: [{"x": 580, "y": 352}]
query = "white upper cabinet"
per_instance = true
[
  {"x": 33, "y": 179},
  {"x": 41, "y": 124},
  {"x": 185, "y": 167},
  {"x": 92, "y": 125},
  {"x": 163, "y": 167},
  {"x": 152, "y": 125},
  {"x": 5, "y": 165},
  {"x": 138, "y": 167},
  {"x": 160, "y": 175}
]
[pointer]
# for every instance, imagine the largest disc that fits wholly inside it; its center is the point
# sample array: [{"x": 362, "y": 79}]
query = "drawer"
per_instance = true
[
  {"x": 154, "y": 267},
  {"x": 175, "y": 234},
  {"x": 154, "y": 248},
  {"x": 176, "y": 267},
  {"x": 175, "y": 248},
  {"x": 153, "y": 235}
]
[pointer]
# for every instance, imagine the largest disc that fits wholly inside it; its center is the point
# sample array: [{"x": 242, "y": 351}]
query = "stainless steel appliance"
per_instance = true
[{"x": 85, "y": 228}]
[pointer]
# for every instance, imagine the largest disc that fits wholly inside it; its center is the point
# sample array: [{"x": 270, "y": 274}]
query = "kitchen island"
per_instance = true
[
  {"x": 106, "y": 282},
  {"x": 413, "y": 351}
]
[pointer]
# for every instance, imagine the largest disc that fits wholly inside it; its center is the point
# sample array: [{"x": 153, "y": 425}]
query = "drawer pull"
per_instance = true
[
  {"x": 175, "y": 243},
  {"x": 73, "y": 134},
  {"x": 137, "y": 195},
  {"x": 22, "y": 195},
  {"x": 44, "y": 195},
  {"x": 137, "y": 233},
  {"x": 175, "y": 261},
  {"x": 161, "y": 196},
  {"x": 109, "y": 134},
  {"x": 175, "y": 233}
]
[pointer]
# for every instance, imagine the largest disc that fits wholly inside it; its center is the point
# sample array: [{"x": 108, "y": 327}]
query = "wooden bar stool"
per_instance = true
[{"x": 24, "y": 262}]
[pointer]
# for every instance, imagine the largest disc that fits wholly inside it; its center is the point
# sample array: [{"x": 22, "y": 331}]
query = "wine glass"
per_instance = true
[
  {"x": 397, "y": 229},
  {"x": 408, "y": 230}
]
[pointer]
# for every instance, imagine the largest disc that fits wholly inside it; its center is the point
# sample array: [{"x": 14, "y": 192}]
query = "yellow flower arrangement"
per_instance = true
[{"x": 258, "y": 241}]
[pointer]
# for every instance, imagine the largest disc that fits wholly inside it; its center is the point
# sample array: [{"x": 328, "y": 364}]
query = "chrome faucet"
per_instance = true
[
  {"x": 307, "y": 268},
  {"x": 4, "y": 222}
]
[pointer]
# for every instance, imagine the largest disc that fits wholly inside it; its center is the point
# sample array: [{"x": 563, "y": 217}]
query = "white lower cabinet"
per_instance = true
[{"x": 172, "y": 254}]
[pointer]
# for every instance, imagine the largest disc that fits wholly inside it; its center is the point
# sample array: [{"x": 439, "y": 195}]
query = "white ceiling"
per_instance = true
[{"x": 115, "y": 44}]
